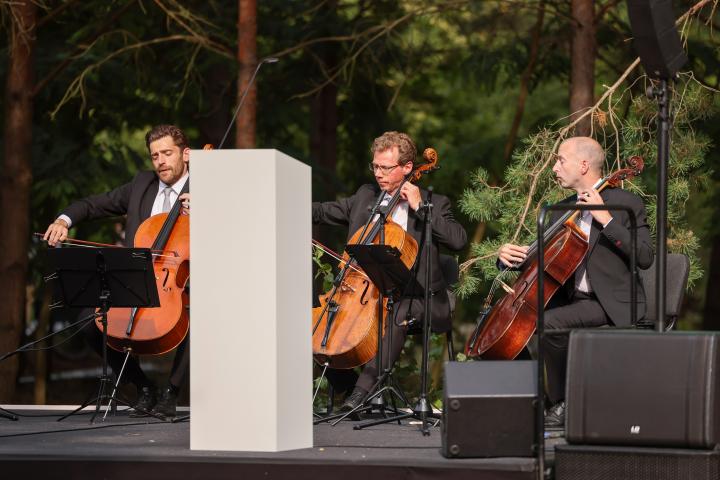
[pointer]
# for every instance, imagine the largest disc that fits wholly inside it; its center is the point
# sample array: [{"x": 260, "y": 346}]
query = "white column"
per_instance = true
[{"x": 251, "y": 358}]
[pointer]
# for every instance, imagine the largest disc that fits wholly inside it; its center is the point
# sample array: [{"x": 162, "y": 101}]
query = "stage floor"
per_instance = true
[{"x": 37, "y": 446}]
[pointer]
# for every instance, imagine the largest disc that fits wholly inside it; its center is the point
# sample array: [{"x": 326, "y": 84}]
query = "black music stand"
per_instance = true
[
  {"x": 103, "y": 278},
  {"x": 383, "y": 266}
]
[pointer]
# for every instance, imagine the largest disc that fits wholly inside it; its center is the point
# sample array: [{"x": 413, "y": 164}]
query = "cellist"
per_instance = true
[
  {"x": 149, "y": 193},
  {"x": 393, "y": 158},
  {"x": 599, "y": 292}
]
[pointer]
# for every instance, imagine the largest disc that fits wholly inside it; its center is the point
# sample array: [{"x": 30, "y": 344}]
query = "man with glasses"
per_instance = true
[
  {"x": 393, "y": 157},
  {"x": 599, "y": 292}
]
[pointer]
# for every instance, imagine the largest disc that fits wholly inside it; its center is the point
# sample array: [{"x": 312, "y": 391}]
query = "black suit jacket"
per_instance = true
[
  {"x": 608, "y": 258},
  {"x": 354, "y": 211},
  {"x": 134, "y": 199}
]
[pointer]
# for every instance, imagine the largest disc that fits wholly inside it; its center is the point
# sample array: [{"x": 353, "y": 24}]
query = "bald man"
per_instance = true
[{"x": 599, "y": 292}]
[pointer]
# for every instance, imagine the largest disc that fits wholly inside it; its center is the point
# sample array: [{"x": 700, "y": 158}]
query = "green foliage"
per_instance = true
[
  {"x": 448, "y": 72},
  {"x": 324, "y": 270},
  {"x": 513, "y": 207}
]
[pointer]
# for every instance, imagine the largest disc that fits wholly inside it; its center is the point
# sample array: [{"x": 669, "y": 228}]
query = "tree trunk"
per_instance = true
[
  {"x": 247, "y": 61},
  {"x": 582, "y": 70},
  {"x": 15, "y": 185},
  {"x": 711, "y": 317},
  {"x": 323, "y": 134}
]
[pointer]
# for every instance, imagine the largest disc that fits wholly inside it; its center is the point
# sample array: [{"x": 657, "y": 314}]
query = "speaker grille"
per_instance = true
[{"x": 574, "y": 462}]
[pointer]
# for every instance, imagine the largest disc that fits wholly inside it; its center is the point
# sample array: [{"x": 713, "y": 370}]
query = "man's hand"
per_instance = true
[
  {"x": 592, "y": 197},
  {"x": 512, "y": 255},
  {"x": 56, "y": 232},
  {"x": 411, "y": 193},
  {"x": 185, "y": 199}
]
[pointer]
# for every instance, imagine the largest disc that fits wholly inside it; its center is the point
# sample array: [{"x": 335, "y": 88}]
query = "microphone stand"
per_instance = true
[
  {"x": 82, "y": 322},
  {"x": 7, "y": 415},
  {"x": 222, "y": 142},
  {"x": 242, "y": 99},
  {"x": 664, "y": 124}
]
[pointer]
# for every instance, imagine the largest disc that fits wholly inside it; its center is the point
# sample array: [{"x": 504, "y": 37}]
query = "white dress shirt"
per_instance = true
[
  {"x": 581, "y": 279},
  {"x": 174, "y": 194},
  {"x": 400, "y": 214}
]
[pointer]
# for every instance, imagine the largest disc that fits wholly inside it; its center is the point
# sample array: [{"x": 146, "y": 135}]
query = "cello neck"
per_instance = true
[{"x": 167, "y": 227}]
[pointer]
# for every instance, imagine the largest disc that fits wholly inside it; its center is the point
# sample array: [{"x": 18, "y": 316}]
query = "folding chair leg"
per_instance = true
[{"x": 450, "y": 346}]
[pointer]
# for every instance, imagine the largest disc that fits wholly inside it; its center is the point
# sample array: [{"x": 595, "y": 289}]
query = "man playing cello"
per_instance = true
[
  {"x": 393, "y": 157},
  {"x": 149, "y": 193},
  {"x": 599, "y": 292}
]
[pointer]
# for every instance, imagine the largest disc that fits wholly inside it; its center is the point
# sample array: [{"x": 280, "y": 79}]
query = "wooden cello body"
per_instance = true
[
  {"x": 353, "y": 313},
  {"x": 512, "y": 321},
  {"x": 153, "y": 331}
]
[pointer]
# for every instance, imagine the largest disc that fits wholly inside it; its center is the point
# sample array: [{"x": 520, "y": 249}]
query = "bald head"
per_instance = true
[{"x": 589, "y": 149}]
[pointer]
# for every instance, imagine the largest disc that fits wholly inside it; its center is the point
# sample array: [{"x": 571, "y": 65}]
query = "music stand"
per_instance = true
[
  {"x": 103, "y": 278},
  {"x": 385, "y": 269}
]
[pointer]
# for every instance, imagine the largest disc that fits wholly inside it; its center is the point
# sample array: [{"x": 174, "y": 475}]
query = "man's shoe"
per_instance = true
[
  {"x": 354, "y": 400},
  {"x": 167, "y": 404},
  {"x": 555, "y": 417},
  {"x": 146, "y": 400}
]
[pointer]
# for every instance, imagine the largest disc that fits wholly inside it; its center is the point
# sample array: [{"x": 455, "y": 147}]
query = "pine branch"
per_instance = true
[{"x": 627, "y": 135}]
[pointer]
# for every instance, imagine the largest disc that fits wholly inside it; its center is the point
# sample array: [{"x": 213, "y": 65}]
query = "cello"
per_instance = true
[
  {"x": 345, "y": 332},
  {"x": 511, "y": 322},
  {"x": 153, "y": 331}
]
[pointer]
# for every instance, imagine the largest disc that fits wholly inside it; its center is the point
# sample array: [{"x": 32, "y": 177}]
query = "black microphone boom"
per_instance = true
[{"x": 242, "y": 99}]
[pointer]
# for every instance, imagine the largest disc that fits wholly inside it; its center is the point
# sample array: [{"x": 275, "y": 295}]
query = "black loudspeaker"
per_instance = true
[
  {"x": 592, "y": 462},
  {"x": 643, "y": 388},
  {"x": 489, "y": 409},
  {"x": 656, "y": 39}
]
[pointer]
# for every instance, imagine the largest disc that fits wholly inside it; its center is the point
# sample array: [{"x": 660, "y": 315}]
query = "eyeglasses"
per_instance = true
[{"x": 385, "y": 170}]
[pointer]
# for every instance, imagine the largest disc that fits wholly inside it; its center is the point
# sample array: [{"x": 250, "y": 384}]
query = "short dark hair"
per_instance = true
[
  {"x": 405, "y": 145},
  {"x": 160, "y": 131}
]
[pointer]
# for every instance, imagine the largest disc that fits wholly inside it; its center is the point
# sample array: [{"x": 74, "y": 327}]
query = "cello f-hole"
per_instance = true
[
  {"x": 165, "y": 280},
  {"x": 363, "y": 300}
]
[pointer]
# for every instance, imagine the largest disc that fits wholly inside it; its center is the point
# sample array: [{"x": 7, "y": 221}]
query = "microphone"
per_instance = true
[
  {"x": 379, "y": 200},
  {"x": 425, "y": 206},
  {"x": 242, "y": 99}
]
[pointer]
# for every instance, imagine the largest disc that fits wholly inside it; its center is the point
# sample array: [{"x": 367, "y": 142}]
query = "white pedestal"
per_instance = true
[{"x": 251, "y": 358}]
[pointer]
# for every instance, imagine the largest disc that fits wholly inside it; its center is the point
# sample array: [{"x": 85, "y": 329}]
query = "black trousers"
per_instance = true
[
  {"x": 583, "y": 311},
  {"x": 133, "y": 373}
]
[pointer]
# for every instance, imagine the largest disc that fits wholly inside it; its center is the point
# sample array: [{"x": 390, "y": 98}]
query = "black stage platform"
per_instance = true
[{"x": 125, "y": 448}]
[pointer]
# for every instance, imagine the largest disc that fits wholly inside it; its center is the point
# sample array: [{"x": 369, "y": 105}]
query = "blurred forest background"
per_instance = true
[{"x": 476, "y": 80}]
